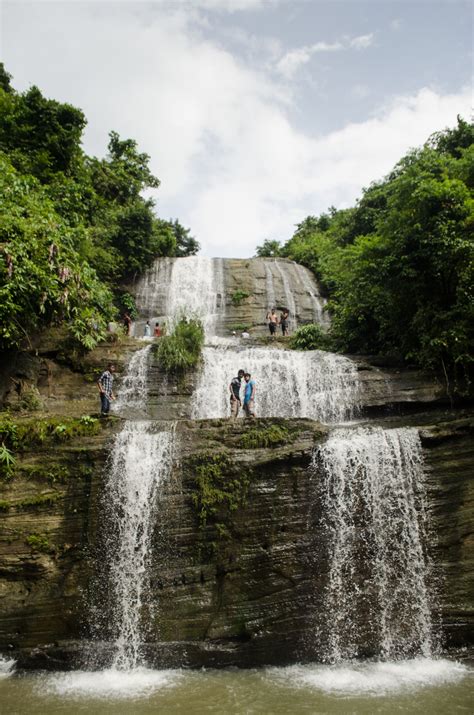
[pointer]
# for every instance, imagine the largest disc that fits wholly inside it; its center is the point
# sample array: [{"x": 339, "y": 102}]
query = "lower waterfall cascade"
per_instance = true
[
  {"x": 380, "y": 589},
  {"x": 140, "y": 461}
]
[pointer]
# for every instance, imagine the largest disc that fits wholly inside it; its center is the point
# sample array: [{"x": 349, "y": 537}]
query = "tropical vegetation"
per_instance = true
[
  {"x": 75, "y": 230},
  {"x": 398, "y": 268}
]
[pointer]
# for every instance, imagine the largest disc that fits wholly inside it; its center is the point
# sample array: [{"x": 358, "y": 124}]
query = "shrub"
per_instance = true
[
  {"x": 181, "y": 350},
  {"x": 7, "y": 462},
  {"x": 268, "y": 437},
  {"x": 309, "y": 337},
  {"x": 238, "y": 297}
]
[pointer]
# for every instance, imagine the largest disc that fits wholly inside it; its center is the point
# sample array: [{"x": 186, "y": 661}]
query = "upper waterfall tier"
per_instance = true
[{"x": 229, "y": 294}]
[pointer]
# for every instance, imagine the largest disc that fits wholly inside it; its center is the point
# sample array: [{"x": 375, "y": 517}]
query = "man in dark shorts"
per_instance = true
[
  {"x": 272, "y": 321},
  {"x": 234, "y": 389},
  {"x": 284, "y": 321}
]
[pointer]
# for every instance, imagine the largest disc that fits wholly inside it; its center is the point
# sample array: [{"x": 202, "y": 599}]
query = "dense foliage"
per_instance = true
[
  {"x": 309, "y": 337},
  {"x": 398, "y": 268},
  {"x": 182, "y": 349},
  {"x": 74, "y": 229}
]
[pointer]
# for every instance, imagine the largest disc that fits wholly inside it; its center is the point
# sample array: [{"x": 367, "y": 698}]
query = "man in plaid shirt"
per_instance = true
[{"x": 105, "y": 383}]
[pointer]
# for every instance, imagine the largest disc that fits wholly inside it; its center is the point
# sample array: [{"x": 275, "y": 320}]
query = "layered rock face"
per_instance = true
[
  {"x": 237, "y": 568},
  {"x": 234, "y": 572}
]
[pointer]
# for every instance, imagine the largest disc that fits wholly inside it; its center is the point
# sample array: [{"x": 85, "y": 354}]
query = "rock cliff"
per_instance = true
[{"x": 233, "y": 570}]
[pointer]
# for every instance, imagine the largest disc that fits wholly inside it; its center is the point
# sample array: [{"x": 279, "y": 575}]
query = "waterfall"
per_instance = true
[
  {"x": 314, "y": 384},
  {"x": 378, "y": 593},
  {"x": 140, "y": 461},
  {"x": 289, "y": 298},
  {"x": 152, "y": 289},
  {"x": 319, "y": 314},
  {"x": 133, "y": 390},
  {"x": 270, "y": 288},
  {"x": 196, "y": 284}
]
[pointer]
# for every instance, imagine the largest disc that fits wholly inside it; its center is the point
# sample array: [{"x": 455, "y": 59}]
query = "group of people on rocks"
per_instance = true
[
  {"x": 274, "y": 321},
  {"x": 236, "y": 403},
  {"x": 158, "y": 331}
]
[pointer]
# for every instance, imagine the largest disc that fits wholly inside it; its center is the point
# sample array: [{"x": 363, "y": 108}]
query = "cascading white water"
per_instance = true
[
  {"x": 195, "y": 289},
  {"x": 289, "y": 298},
  {"x": 378, "y": 588},
  {"x": 140, "y": 461},
  {"x": 133, "y": 390},
  {"x": 315, "y": 384},
  {"x": 319, "y": 314},
  {"x": 269, "y": 287},
  {"x": 152, "y": 289}
]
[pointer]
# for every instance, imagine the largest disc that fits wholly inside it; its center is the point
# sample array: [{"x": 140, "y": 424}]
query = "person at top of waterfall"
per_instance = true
[
  {"x": 234, "y": 389},
  {"x": 127, "y": 323},
  {"x": 105, "y": 384},
  {"x": 249, "y": 396},
  {"x": 272, "y": 318},
  {"x": 157, "y": 331},
  {"x": 285, "y": 314},
  {"x": 147, "y": 329}
]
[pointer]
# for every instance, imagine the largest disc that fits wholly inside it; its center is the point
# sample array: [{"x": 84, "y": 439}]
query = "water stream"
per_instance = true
[
  {"x": 380, "y": 589},
  {"x": 140, "y": 461}
]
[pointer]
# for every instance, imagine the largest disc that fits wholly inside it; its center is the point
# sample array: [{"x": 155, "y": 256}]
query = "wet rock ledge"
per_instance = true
[{"x": 234, "y": 573}]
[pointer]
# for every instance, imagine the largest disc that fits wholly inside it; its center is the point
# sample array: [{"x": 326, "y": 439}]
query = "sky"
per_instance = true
[{"x": 255, "y": 113}]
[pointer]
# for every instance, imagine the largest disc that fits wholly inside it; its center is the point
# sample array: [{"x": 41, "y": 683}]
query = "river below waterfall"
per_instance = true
[{"x": 417, "y": 686}]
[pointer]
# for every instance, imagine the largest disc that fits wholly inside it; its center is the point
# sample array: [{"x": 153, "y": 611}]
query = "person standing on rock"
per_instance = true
[
  {"x": 105, "y": 384},
  {"x": 285, "y": 314},
  {"x": 234, "y": 389},
  {"x": 272, "y": 322},
  {"x": 249, "y": 396}
]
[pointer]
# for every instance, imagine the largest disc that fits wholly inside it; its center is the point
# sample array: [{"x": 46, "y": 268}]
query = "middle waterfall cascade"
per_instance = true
[
  {"x": 140, "y": 461},
  {"x": 133, "y": 390},
  {"x": 315, "y": 384},
  {"x": 379, "y": 587}
]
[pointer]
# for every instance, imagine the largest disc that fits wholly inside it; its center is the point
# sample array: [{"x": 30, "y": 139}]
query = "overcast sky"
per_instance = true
[{"x": 256, "y": 113}]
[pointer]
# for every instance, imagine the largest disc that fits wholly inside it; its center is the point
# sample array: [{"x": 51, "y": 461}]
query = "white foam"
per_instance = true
[
  {"x": 372, "y": 679},
  {"x": 109, "y": 684},
  {"x": 6, "y": 667}
]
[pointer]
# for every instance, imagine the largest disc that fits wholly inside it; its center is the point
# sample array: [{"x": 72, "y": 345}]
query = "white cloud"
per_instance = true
[
  {"x": 233, "y": 165},
  {"x": 362, "y": 42},
  {"x": 291, "y": 62}
]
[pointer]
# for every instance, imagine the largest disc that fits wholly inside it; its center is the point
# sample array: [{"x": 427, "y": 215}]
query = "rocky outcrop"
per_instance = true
[{"x": 49, "y": 517}]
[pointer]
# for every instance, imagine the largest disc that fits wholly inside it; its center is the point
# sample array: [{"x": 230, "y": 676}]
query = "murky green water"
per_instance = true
[{"x": 420, "y": 686}]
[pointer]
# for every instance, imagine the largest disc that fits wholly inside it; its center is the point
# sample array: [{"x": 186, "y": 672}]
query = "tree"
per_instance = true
[
  {"x": 186, "y": 245},
  {"x": 269, "y": 249}
]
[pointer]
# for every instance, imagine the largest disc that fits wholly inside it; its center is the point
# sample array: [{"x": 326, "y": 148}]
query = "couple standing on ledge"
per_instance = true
[
  {"x": 249, "y": 395},
  {"x": 273, "y": 321}
]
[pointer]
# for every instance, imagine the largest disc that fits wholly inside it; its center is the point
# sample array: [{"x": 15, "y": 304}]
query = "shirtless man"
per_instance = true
[
  {"x": 272, "y": 322},
  {"x": 234, "y": 389}
]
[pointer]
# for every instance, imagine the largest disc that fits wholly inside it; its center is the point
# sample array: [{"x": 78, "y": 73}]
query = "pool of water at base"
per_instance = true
[{"x": 415, "y": 686}]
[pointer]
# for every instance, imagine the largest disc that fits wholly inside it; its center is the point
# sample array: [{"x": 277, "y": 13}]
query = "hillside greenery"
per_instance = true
[
  {"x": 74, "y": 229},
  {"x": 398, "y": 268}
]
